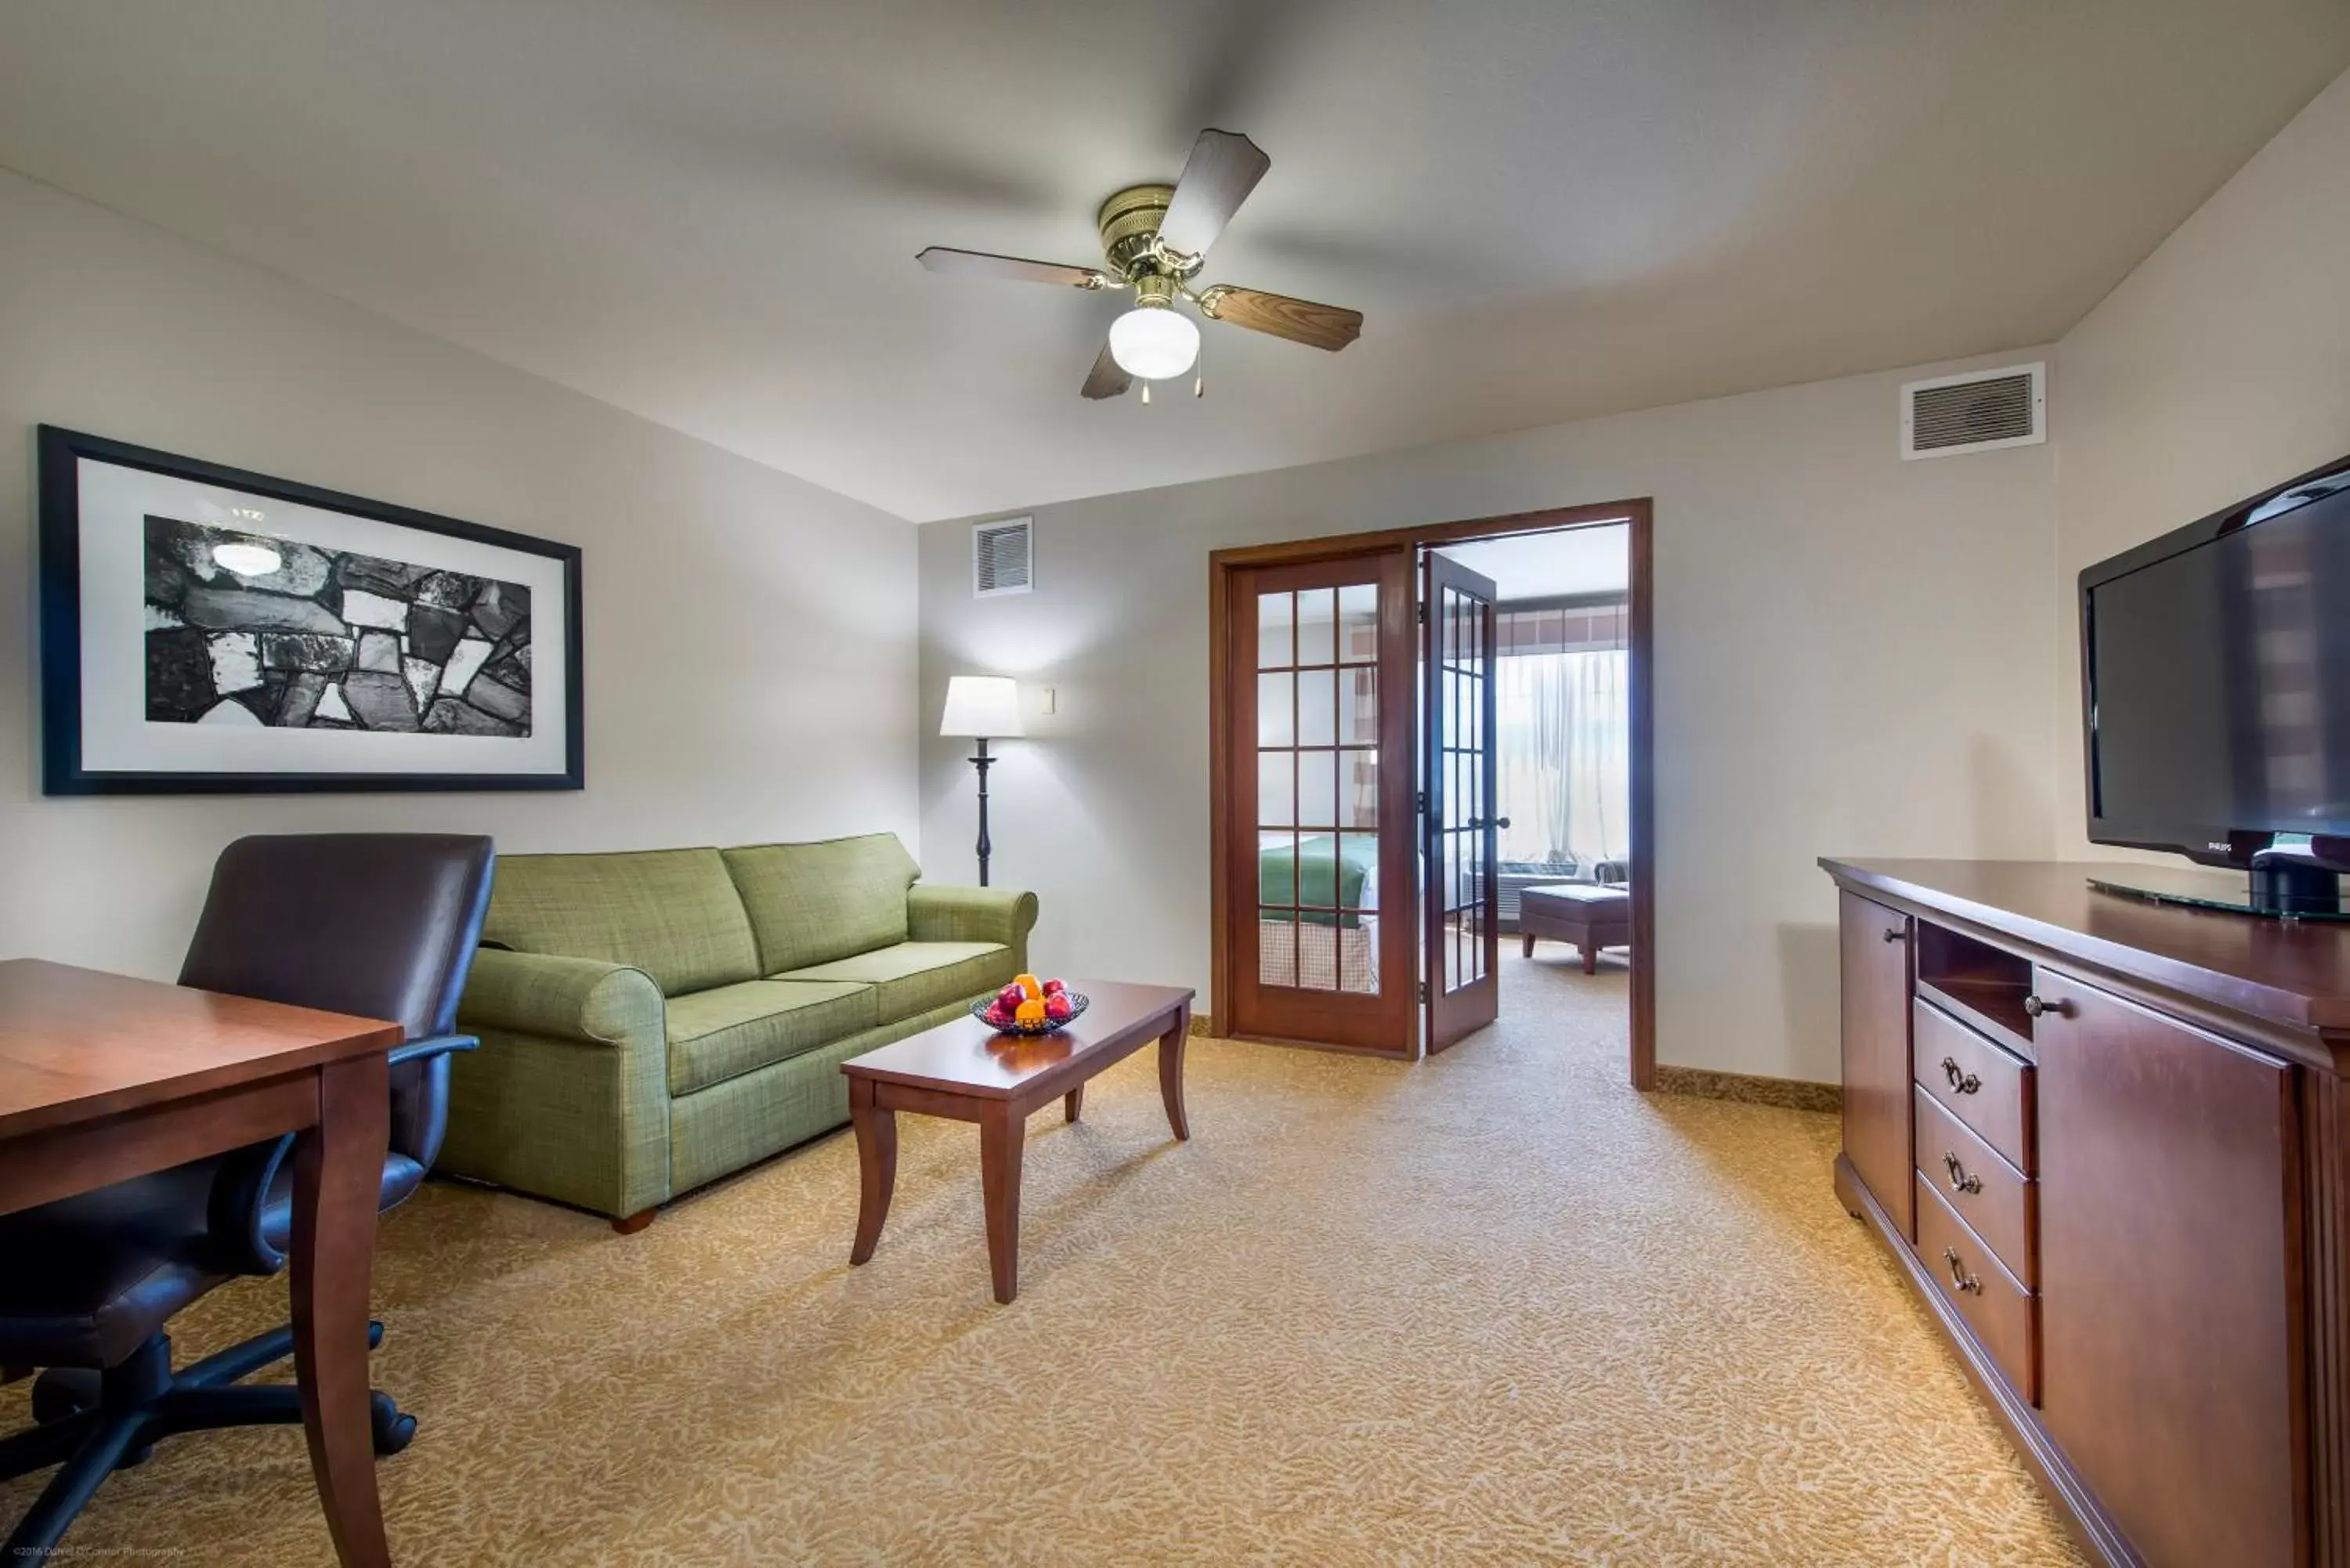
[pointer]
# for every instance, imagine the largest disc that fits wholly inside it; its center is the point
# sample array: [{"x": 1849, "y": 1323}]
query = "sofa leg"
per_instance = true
[{"x": 635, "y": 1223}]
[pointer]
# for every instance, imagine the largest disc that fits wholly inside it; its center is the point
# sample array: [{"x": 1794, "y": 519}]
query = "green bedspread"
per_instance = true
[{"x": 1327, "y": 875}]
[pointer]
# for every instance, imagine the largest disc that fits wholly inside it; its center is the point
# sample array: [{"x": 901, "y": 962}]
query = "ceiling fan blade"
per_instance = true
[
  {"x": 1013, "y": 269},
  {"x": 1106, "y": 380},
  {"x": 1224, "y": 167},
  {"x": 1330, "y": 326}
]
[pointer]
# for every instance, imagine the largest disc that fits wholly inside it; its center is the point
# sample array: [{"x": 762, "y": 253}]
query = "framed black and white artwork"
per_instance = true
[{"x": 208, "y": 630}]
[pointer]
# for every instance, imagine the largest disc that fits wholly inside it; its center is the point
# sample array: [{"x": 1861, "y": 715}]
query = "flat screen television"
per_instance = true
[{"x": 2216, "y": 693}]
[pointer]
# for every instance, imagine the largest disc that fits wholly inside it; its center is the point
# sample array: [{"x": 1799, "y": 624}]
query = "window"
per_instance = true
[{"x": 1564, "y": 737}]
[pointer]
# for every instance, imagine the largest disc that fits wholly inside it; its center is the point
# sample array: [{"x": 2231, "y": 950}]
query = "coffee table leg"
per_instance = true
[
  {"x": 1001, "y": 1137},
  {"x": 1591, "y": 958},
  {"x": 1530, "y": 943},
  {"x": 1074, "y": 1103},
  {"x": 877, "y": 1162},
  {"x": 1170, "y": 1071}
]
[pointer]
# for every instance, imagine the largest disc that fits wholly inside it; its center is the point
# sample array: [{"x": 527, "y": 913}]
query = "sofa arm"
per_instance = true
[
  {"x": 579, "y": 999},
  {"x": 940, "y": 914},
  {"x": 568, "y": 1096}
]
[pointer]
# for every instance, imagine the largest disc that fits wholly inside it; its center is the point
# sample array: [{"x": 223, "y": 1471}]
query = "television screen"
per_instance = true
[{"x": 2218, "y": 668}]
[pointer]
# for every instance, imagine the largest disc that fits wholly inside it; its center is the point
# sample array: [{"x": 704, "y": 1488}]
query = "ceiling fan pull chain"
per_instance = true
[{"x": 1199, "y": 371}]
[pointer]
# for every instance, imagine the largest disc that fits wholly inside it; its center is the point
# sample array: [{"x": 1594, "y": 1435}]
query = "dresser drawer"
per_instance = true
[
  {"x": 1998, "y": 1202},
  {"x": 1972, "y": 1278},
  {"x": 1975, "y": 1081}
]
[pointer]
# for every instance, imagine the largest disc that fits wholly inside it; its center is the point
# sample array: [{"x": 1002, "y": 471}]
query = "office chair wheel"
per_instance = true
[
  {"x": 390, "y": 1428},
  {"x": 64, "y": 1391}
]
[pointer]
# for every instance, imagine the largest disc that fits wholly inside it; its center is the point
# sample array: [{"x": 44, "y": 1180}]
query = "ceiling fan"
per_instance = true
[{"x": 1157, "y": 239}]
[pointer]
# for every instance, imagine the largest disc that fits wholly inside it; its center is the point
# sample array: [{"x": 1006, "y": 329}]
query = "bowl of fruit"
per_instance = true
[{"x": 1030, "y": 1006}]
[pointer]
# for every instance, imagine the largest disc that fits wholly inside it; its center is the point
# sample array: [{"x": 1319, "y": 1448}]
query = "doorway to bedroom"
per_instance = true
[
  {"x": 1430, "y": 774},
  {"x": 1526, "y": 766}
]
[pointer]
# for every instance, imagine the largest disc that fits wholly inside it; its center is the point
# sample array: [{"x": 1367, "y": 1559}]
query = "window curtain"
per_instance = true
[{"x": 1563, "y": 748}]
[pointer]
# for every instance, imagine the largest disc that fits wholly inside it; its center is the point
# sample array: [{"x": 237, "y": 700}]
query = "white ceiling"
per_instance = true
[
  {"x": 707, "y": 211},
  {"x": 1590, "y": 560}
]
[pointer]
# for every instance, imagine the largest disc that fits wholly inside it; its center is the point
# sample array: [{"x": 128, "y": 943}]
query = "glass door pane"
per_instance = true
[{"x": 1317, "y": 782}]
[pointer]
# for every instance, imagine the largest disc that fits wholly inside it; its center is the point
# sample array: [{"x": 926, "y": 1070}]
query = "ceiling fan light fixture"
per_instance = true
[{"x": 1154, "y": 342}]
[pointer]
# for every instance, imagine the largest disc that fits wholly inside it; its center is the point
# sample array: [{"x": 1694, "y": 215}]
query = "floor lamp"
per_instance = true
[{"x": 981, "y": 708}]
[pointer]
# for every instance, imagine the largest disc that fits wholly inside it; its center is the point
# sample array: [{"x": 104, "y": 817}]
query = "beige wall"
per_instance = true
[
  {"x": 750, "y": 638},
  {"x": 1851, "y": 659},
  {"x": 2221, "y": 367}
]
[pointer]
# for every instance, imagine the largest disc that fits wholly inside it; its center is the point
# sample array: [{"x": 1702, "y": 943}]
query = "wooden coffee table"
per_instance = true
[
  {"x": 966, "y": 1070},
  {"x": 1590, "y": 916}
]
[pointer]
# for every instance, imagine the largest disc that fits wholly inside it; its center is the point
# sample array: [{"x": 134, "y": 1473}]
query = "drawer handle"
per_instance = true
[
  {"x": 1961, "y": 1081},
  {"x": 1961, "y": 1180},
  {"x": 1894, "y": 933},
  {"x": 1959, "y": 1275},
  {"x": 2033, "y": 1006}
]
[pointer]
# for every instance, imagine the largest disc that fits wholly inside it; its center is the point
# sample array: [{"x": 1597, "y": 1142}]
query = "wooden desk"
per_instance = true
[
  {"x": 964, "y": 1070},
  {"x": 103, "y": 1077}
]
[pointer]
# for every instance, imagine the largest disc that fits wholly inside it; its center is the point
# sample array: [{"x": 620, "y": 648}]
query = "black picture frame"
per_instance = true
[{"x": 63, "y": 770}]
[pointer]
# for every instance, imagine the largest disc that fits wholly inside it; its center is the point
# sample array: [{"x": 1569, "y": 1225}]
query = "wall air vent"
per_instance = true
[
  {"x": 1003, "y": 557},
  {"x": 1981, "y": 411}
]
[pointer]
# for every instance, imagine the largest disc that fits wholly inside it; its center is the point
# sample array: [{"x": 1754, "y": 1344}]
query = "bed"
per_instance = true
[{"x": 1329, "y": 940}]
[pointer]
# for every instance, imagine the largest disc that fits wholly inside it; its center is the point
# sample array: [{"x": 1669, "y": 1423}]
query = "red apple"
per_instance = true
[
  {"x": 1009, "y": 999},
  {"x": 1054, "y": 988},
  {"x": 1058, "y": 1008}
]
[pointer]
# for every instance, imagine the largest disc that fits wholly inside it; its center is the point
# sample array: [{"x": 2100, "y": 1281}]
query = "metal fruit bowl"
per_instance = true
[{"x": 979, "y": 1010}]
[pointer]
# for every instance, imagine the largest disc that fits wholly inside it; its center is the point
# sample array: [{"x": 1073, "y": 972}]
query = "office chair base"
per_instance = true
[{"x": 91, "y": 1424}]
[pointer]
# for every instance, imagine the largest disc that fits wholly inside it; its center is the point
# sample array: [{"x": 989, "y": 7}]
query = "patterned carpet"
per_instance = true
[{"x": 1494, "y": 1308}]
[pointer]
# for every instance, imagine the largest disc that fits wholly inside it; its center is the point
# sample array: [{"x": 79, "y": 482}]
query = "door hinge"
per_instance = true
[
  {"x": 1423, "y": 991},
  {"x": 1420, "y": 802},
  {"x": 1421, "y": 613}
]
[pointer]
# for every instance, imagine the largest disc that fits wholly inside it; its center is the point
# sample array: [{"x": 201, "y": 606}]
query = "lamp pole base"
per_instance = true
[{"x": 982, "y": 762}]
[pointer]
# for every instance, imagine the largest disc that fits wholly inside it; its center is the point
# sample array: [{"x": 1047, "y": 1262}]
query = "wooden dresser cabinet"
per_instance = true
[{"x": 2108, "y": 1142}]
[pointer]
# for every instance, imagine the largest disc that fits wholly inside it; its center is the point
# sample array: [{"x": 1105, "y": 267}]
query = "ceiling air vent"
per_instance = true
[
  {"x": 1001, "y": 560},
  {"x": 1981, "y": 411}
]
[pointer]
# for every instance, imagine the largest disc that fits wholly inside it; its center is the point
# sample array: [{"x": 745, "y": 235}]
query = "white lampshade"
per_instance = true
[
  {"x": 1154, "y": 342},
  {"x": 979, "y": 705}
]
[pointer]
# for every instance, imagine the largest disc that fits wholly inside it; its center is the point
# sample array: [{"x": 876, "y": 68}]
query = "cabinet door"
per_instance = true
[
  {"x": 1876, "y": 974},
  {"x": 2165, "y": 1271}
]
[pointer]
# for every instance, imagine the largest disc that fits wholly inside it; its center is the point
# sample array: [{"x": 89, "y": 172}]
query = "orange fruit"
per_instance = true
[
  {"x": 1029, "y": 985},
  {"x": 1032, "y": 1012}
]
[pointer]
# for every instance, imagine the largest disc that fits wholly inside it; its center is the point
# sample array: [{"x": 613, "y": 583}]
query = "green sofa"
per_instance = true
[{"x": 651, "y": 1022}]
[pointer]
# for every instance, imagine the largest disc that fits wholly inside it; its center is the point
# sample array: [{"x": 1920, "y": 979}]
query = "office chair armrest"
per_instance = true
[
  {"x": 232, "y": 1214},
  {"x": 433, "y": 1045},
  {"x": 241, "y": 1187}
]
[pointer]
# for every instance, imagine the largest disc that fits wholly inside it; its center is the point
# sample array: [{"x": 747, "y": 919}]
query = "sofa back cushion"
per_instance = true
[
  {"x": 812, "y": 903},
  {"x": 672, "y": 913}
]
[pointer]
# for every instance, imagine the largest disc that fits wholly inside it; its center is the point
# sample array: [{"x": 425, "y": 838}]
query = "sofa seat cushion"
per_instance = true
[
  {"x": 672, "y": 913},
  {"x": 724, "y": 1033},
  {"x": 912, "y": 978}
]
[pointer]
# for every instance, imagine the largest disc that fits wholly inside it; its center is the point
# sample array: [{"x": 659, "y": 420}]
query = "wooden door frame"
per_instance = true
[{"x": 1639, "y": 516}]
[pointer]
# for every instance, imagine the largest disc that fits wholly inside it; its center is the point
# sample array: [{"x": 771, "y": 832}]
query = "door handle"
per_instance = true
[
  {"x": 1961, "y": 1179},
  {"x": 1501, "y": 822},
  {"x": 2033, "y": 1006},
  {"x": 1896, "y": 934},
  {"x": 1964, "y": 1082}
]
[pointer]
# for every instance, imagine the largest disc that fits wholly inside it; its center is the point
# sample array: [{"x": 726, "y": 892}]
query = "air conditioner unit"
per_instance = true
[
  {"x": 1981, "y": 411},
  {"x": 1003, "y": 557}
]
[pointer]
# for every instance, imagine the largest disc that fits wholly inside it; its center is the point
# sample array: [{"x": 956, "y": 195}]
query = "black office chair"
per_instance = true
[{"x": 381, "y": 925}]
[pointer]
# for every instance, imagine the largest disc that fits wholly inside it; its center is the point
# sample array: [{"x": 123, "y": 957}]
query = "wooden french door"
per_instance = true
[
  {"x": 1319, "y": 844},
  {"x": 1462, "y": 832}
]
